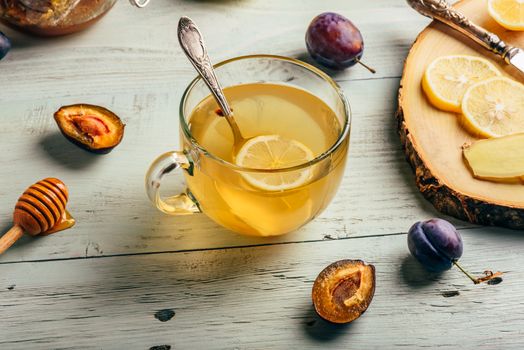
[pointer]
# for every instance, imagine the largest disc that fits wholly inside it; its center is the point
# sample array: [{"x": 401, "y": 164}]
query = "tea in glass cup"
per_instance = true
[{"x": 297, "y": 124}]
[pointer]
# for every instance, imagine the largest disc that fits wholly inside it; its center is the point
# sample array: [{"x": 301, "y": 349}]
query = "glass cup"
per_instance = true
[{"x": 216, "y": 187}]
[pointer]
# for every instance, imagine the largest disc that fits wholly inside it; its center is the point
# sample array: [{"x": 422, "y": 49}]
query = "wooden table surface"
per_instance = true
[{"x": 113, "y": 280}]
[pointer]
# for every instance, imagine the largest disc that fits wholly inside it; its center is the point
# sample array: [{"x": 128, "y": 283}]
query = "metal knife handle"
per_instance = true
[{"x": 442, "y": 11}]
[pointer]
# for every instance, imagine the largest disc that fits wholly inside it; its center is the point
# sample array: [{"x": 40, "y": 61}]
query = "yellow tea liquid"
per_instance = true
[{"x": 265, "y": 109}]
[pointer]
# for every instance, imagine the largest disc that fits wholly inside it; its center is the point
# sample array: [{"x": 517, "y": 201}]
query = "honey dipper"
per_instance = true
[{"x": 40, "y": 209}]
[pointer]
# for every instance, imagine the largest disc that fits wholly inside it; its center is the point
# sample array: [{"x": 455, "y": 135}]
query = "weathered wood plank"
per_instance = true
[
  {"x": 114, "y": 216},
  {"x": 135, "y": 50},
  {"x": 137, "y": 71},
  {"x": 242, "y": 298},
  {"x": 259, "y": 298}
]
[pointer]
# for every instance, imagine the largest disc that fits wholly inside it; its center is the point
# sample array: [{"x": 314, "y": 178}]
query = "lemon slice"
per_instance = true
[
  {"x": 508, "y": 13},
  {"x": 494, "y": 107},
  {"x": 274, "y": 152},
  {"x": 447, "y": 78}
]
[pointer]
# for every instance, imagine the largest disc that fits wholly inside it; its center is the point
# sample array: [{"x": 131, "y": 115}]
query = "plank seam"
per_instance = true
[{"x": 209, "y": 249}]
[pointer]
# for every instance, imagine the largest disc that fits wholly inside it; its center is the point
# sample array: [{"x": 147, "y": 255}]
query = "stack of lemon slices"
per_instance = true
[{"x": 490, "y": 105}]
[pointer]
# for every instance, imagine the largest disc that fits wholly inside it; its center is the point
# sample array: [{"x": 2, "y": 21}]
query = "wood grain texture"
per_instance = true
[
  {"x": 377, "y": 195},
  {"x": 100, "y": 185},
  {"x": 433, "y": 139},
  {"x": 260, "y": 298},
  {"x": 130, "y": 62},
  {"x": 81, "y": 297},
  {"x": 132, "y": 50}
]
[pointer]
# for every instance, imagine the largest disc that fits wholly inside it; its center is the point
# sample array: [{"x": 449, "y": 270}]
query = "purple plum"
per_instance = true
[
  {"x": 334, "y": 41},
  {"x": 435, "y": 243},
  {"x": 5, "y": 45}
]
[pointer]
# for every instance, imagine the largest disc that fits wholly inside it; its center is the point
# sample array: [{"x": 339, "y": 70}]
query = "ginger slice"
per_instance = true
[{"x": 498, "y": 159}]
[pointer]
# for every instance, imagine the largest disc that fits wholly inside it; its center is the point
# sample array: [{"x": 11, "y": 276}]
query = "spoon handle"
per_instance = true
[
  {"x": 139, "y": 3},
  {"x": 192, "y": 42}
]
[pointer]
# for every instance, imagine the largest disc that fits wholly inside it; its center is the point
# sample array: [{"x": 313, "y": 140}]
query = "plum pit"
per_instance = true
[
  {"x": 343, "y": 290},
  {"x": 93, "y": 128},
  {"x": 90, "y": 125}
]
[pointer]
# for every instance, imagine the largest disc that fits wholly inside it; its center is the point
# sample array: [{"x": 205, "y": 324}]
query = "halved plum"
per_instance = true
[
  {"x": 343, "y": 290},
  {"x": 93, "y": 128}
]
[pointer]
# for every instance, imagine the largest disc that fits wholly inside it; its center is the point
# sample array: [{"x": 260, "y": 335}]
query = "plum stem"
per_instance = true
[
  {"x": 488, "y": 275},
  {"x": 365, "y": 66},
  {"x": 471, "y": 277}
]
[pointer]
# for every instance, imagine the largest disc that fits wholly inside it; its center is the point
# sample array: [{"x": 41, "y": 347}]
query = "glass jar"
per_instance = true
[{"x": 53, "y": 17}]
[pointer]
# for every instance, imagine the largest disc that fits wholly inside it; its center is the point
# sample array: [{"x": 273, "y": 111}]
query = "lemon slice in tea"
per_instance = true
[
  {"x": 274, "y": 152},
  {"x": 508, "y": 13},
  {"x": 447, "y": 78},
  {"x": 494, "y": 108}
]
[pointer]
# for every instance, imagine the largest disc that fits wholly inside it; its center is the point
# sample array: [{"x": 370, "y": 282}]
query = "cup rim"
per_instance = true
[{"x": 342, "y": 136}]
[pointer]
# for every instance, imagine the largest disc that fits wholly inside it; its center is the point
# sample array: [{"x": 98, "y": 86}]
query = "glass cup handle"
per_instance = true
[
  {"x": 178, "y": 204},
  {"x": 139, "y": 3}
]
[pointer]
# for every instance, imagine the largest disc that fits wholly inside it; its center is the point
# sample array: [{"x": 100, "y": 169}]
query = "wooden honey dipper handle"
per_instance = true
[
  {"x": 38, "y": 210},
  {"x": 10, "y": 238}
]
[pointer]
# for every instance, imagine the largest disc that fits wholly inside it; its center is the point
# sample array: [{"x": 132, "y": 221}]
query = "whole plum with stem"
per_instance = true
[
  {"x": 437, "y": 245},
  {"x": 335, "y": 42},
  {"x": 5, "y": 45}
]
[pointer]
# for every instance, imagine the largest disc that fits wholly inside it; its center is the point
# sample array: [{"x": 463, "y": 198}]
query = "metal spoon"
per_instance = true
[
  {"x": 139, "y": 3},
  {"x": 192, "y": 42}
]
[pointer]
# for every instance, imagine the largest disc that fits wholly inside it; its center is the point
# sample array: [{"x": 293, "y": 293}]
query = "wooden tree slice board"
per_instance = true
[{"x": 432, "y": 139}]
